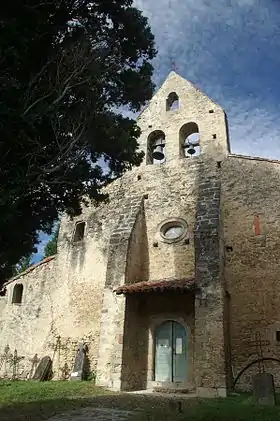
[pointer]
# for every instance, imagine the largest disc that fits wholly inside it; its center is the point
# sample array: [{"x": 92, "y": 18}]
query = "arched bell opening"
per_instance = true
[
  {"x": 189, "y": 140},
  {"x": 172, "y": 102},
  {"x": 156, "y": 147}
]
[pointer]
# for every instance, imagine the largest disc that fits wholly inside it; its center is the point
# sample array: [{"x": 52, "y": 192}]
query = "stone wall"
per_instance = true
[
  {"x": 72, "y": 296},
  {"x": 125, "y": 265},
  {"x": 170, "y": 190},
  {"x": 3, "y": 303},
  {"x": 62, "y": 298},
  {"x": 210, "y": 355},
  {"x": 22, "y": 328},
  {"x": 251, "y": 214}
]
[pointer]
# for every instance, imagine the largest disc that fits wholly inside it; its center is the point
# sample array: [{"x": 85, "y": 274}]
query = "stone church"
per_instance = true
[{"x": 172, "y": 284}]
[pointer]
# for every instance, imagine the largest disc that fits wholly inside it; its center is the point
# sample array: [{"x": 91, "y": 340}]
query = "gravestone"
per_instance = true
[
  {"x": 43, "y": 370},
  {"x": 78, "y": 368},
  {"x": 264, "y": 389}
]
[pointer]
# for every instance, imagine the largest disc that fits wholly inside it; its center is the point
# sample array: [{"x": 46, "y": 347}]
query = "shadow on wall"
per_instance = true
[
  {"x": 136, "y": 334},
  {"x": 77, "y": 254},
  {"x": 135, "y": 347}
]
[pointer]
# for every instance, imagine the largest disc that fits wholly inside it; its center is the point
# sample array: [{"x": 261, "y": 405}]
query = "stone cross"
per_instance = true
[
  {"x": 57, "y": 346},
  {"x": 258, "y": 344},
  {"x": 14, "y": 360},
  {"x": 65, "y": 372},
  {"x": 4, "y": 358}
]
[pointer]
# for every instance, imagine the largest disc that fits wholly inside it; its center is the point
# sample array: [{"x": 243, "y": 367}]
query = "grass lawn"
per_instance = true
[{"x": 36, "y": 401}]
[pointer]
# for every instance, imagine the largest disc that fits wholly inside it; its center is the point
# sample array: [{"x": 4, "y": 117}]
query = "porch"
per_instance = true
[{"x": 158, "y": 338}]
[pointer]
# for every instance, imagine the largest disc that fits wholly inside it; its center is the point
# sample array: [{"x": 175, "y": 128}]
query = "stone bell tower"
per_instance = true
[
  {"x": 170, "y": 289},
  {"x": 183, "y": 128},
  {"x": 182, "y": 122}
]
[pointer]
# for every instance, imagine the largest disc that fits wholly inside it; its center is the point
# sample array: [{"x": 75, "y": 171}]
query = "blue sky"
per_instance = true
[{"x": 230, "y": 49}]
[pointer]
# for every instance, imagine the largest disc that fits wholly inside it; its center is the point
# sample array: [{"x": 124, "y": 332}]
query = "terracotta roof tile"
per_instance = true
[{"x": 157, "y": 286}]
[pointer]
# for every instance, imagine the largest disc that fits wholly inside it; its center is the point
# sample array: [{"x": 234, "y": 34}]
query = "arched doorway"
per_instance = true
[{"x": 170, "y": 352}]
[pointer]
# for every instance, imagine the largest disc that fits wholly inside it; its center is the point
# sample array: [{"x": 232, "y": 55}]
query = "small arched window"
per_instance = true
[
  {"x": 79, "y": 232},
  {"x": 156, "y": 147},
  {"x": 17, "y": 294},
  {"x": 172, "y": 102},
  {"x": 189, "y": 140}
]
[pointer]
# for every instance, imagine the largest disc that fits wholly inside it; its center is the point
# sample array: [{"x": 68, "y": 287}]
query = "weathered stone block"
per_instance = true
[
  {"x": 264, "y": 389},
  {"x": 206, "y": 392},
  {"x": 78, "y": 368}
]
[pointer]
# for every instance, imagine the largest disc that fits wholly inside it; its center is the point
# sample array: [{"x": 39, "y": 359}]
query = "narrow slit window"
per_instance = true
[
  {"x": 79, "y": 231},
  {"x": 277, "y": 335},
  {"x": 17, "y": 294}
]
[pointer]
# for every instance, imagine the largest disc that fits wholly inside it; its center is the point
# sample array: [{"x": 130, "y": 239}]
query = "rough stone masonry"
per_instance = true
[{"x": 169, "y": 283}]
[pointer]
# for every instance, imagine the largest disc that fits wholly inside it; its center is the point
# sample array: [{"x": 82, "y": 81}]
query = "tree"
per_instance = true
[
  {"x": 51, "y": 246},
  {"x": 67, "y": 68},
  {"x": 22, "y": 265}
]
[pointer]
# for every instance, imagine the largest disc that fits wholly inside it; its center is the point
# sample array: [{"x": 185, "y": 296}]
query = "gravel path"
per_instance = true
[{"x": 93, "y": 414}]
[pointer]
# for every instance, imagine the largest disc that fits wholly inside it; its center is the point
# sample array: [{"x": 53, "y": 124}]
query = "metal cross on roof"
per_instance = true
[{"x": 173, "y": 65}]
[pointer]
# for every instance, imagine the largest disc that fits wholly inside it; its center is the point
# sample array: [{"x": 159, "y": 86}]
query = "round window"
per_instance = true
[{"x": 173, "y": 230}]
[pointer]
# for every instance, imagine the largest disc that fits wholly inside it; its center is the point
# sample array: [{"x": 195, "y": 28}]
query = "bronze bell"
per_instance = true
[
  {"x": 158, "y": 150},
  {"x": 158, "y": 153},
  {"x": 191, "y": 150}
]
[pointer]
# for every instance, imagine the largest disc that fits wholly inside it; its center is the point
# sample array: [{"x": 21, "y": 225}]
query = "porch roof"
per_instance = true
[{"x": 162, "y": 285}]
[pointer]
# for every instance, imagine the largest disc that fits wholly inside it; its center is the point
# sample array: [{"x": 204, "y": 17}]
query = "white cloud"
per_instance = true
[{"x": 230, "y": 49}]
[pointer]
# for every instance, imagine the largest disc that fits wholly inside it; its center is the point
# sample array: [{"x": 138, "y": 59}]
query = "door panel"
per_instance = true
[
  {"x": 170, "y": 352},
  {"x": 179, "y": 353},
  {"x": 163, "y": 357}
]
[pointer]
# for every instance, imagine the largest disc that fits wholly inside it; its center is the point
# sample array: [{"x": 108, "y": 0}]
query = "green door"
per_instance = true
[{"x": 170, "y": 352}]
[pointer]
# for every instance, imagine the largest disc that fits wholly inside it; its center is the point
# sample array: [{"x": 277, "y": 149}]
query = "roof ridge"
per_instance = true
[{"x": 30, "y": 269}]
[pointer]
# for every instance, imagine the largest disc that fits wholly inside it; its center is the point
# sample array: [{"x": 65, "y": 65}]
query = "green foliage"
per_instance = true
[
  {"x": 67, "y": 68},
  {"x": 22, "y": 391},
  {"x": 22, "y": 265},
  {"x": 51, "y": 246},
  {"x": 91, "y": 376}
]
